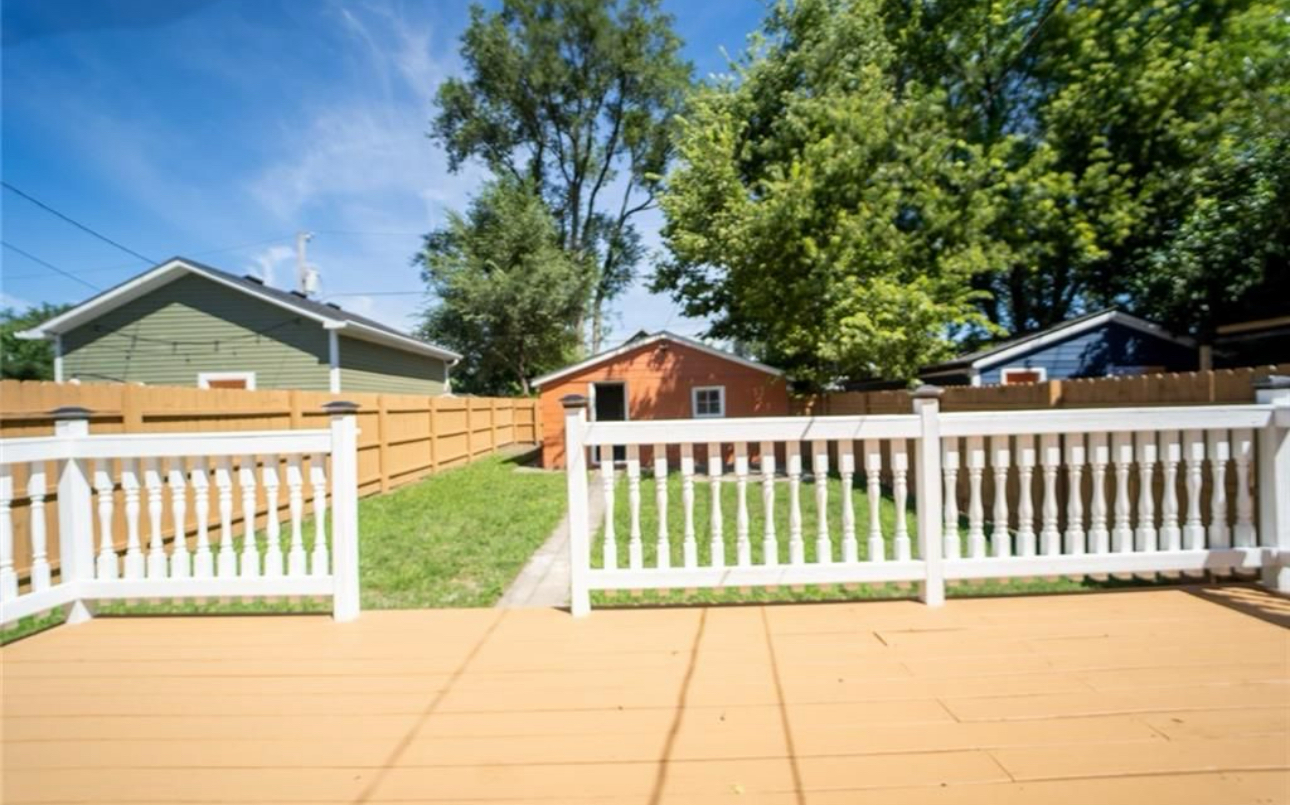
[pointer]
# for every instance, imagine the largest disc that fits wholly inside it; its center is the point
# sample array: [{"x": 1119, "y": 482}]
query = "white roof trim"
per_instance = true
[
  {"x": 1062, "y": 333},
  {"x": 148, "y": 281},
  {"x": 171, "y": 270},
  {"x": 607, "y": 355}
]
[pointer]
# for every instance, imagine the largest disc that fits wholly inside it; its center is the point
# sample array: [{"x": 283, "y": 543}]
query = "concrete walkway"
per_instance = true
[{"x": 544, "y": 580}]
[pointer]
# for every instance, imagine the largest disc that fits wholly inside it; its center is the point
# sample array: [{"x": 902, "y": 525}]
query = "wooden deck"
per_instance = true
[{"x": 1139, "y": 697}]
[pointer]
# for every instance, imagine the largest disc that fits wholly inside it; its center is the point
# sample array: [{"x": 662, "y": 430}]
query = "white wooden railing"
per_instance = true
[
  {"x": 1016, "y": 494},
  {"x": 161, "y": 515}
]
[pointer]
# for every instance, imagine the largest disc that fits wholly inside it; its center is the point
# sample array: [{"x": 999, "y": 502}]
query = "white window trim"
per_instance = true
[
  {"x": 694, "y": 402},
  {"x": 1006, "y": 371},
  {"x": 204, "y": 378}
]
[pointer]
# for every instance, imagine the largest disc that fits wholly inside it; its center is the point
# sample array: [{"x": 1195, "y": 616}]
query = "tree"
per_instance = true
[
  {"x": 823, "y": 210},
  {"x": 26, "y": 360},
  {"x": 508, "y": 297},
  {"x": 1109, "y": 124},
  {"x": 575, "y": 97}
]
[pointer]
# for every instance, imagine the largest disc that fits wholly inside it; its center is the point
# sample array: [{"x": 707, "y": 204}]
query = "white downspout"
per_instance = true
[
  {"x": 58, "y": 359},
  {"x": 333, "y": 353}
]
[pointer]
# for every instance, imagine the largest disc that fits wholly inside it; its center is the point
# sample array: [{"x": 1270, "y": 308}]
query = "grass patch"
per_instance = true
[
  {"x": 455, "y": 539},
  {"x": 756, "y": 517}
]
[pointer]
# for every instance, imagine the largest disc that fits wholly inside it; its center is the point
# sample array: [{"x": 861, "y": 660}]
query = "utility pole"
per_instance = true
[{"x": 304, "y": 284}]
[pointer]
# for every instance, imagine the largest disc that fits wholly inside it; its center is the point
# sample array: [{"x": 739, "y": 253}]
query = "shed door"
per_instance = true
[{"x": 610, "y": 405}]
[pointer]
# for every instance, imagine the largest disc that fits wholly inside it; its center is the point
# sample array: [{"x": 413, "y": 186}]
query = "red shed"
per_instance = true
[{"x": 659, "y": 376}]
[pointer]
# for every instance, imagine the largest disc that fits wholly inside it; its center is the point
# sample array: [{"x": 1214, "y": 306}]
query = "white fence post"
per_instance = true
[
  {"x": 1274, "y": 482},
  {"x": 344, "y": 509},
  {"x": 927, "y": 489},
  {"x": 575, "y": 460},
  {"x": 75, "y": 512}
]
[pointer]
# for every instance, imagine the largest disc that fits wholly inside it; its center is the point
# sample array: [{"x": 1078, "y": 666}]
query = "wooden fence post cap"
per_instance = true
[
  {"x": 1272, "y": 382},
  {"x": 928, "y": 392},
  {"x": 69, "y": 412},
  {"x": 573, "y": 401},
  {"x": 340, "y": 407}
]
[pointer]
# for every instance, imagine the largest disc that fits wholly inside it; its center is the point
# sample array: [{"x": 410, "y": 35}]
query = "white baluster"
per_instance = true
[
  {"x": 1220, "y": 452},
  {"x": 134, "y": 564},
  {"x": 950, "y": 472},
  {"x": 976, "y": 509},
  {"x": 847, "y": 469},
  {"x": 106, "y": 564},
  {"x": 1099, "y": 452},
  {"x": 297, "y": 564},
  {"x": 769, "y": 542},
  {"x": 664, "y": 547},
  {"x": 1025, "y": 495},
  {"x": 796, "y": 548},
  {"x": 272, "y": 527},
  {"x": 820, "y": 470},
  {"x": 1170, "y": 455},
  {"x": 1000, "y": 460},
  {"x": 250, "y": 565},
  {"x": 1148, "y": 454},
  {"x": 900, "y": 493},
  {"x": 689, "y": 546},
  {"x": 1050, "y": 461},
  {"x": 180, "y": 560},
  {"x": 609, "y": 550},
  {"x": 1194, "y": 456},
  {"x": 1243, "y": 453},
  {"x": 226, "y": 562},
  {"x": 873, "y": 497},
  {"x": 1122, "y": 455},
  {"x": 320, "y": 559},
  {"x": 743, "y": 547},
  {"x": 8, "y": 576},
  {"x": 203, "y": 559},
  {"x": 1075, "y": 458},
  {"x": 635, "y": 551},
  {"x": 36, "y": 491},
  {"x": 717, "y": 546},
  {"x": 156, "y": 544}
]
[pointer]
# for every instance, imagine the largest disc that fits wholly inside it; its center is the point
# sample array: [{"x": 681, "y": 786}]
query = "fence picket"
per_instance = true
[
  {"x": 1194, "y": 456},
  {"x": 820, "y": 473},
  {"x": 635, "y": 552},
  {"x": 1099, "y": 538},
  {"x": 1148, "y": 453},
  {"x": 1025, "y": 492},
  {"x": 717, "y": 543},
  {"x": 250, "y": 564},
  {"x": 36, "y": 491},
  {"x": 847, "y": 471},
  {"x": 1122, "y": 455},
  {"x": 1050, "y": 459},
  {"x": 1220, "y": 452},
  {"x": 8, "y": 576},
  {"x": 950, "y": 472},
  {"x": 134, "y": 564},
  {"x": 796, "y": 550},
  {"x": 689, "y": 544},
  {"x": 180, "y": 560},
  {"x": 156, "y": 568},
  {"x": 1000, "y": 462},
  {"x": 1075, "y": 458},
  {"x": 769, "y": 542},
  {"x": 663, "y": 549},
  {"x": 272, "y": 522},
  {"x": 609, "y": 548},
  {"x": 901, "y": 544},
  {"x": 296, "y": 564},
  {"x": 743, "y": 547},
  {"x": 105, "y": 566},
  {"x": 203, "y": 559},
  {"x": 226, "y": 562},
  {"x": 1170, "y": 456},
  {"x": 320, "y": 560},
  {"x": 1243, "y": 535},
  {"x": 873, "y": 497}
]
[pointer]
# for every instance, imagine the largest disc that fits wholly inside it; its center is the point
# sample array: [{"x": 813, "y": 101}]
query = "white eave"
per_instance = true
[
  {"x": 608, "y": 355},
  {"x": 168, "y": 271}
]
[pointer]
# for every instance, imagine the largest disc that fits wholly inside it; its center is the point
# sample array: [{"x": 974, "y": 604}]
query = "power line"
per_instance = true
[
  {"x": 50, "y": 266},
  {"x": 76, "y": 223},
  {"x": 120, "y": 266}
]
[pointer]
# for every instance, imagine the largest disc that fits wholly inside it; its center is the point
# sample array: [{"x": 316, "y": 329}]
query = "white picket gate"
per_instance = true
[
  {"x": 1113, "y": 491},
  {"x": 163, "y": 478}
]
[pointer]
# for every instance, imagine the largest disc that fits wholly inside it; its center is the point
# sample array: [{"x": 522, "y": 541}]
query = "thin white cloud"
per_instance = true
[
  {"x": 265, "y": 263},
  {"x": 15, "y": 302}
]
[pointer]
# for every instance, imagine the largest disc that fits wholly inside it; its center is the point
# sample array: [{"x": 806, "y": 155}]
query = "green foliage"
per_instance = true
[
  {"x": 508, "y": 297},
  {"x": 26, "y": 360},
  {"x": 823, "y": 211},
  {"x": 574, "y": 97},
  {"x": 883, "y": 182}
]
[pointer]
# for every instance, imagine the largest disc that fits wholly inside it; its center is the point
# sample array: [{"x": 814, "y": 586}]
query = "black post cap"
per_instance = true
[
  {"x": 341, "y": 407},
  {"x": 573, "y": 401},
  {"x": 69, "y": 412},
  {"x": 928, "y": 392}
]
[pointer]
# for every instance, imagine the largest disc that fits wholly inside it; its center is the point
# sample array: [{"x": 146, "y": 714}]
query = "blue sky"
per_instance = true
[{"x": 216, "y": 129}]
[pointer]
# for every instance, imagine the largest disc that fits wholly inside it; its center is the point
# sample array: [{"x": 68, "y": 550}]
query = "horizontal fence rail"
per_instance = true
[
  {"x": 176, "y": 516},
  {"x": 826, "y": 500}
]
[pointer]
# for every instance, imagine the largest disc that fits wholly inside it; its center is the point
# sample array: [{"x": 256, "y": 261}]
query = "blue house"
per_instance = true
[{"x": 1108, "y": 342}]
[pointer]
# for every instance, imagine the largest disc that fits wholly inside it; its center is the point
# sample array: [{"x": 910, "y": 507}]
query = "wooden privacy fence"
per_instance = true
[
  {"x": 1178, "y": 388},
  {"x": 403, "y": 437}
]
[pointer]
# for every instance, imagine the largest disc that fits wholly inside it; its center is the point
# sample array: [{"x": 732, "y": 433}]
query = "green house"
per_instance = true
[{"x": 187, "y": 324}]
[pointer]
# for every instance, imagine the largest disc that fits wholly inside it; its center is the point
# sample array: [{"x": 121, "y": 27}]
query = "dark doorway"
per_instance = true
[{"x": 610, "y": 406}]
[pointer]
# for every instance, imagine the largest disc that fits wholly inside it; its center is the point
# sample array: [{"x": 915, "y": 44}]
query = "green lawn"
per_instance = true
[
  {"x": 729, "y": 498},
  {"x": 455, "y": 539}
]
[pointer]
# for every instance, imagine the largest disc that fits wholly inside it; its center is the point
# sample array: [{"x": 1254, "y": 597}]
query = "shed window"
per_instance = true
[
  {"x": 709, "y": 401},
  {"x": 1023, "y": 374}
]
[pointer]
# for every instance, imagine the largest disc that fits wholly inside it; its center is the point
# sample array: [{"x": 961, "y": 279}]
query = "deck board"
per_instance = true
[{"x": 1137, "y": 697}]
